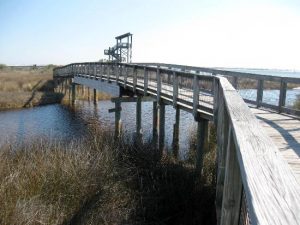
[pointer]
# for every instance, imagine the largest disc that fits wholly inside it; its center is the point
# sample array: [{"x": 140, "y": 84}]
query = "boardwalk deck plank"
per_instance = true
[{"x": 284, "y": 131}]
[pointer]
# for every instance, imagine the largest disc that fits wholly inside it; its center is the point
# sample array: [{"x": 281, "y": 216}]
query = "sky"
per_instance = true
[{"x": 207, "y": 33}]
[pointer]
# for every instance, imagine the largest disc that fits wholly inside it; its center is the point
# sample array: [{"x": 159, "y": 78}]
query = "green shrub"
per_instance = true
[
  {"x": 297, "y": 103},
  {"x": 2, "y": 66}
]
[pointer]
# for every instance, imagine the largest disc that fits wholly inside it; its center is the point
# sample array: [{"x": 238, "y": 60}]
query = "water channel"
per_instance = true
[{"x": 64, "y": 123}]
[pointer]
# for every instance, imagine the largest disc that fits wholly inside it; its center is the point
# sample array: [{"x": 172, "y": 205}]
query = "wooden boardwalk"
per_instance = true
[
  {"x": 258, "y": 164},
  {"x": 284, "y": 130}
]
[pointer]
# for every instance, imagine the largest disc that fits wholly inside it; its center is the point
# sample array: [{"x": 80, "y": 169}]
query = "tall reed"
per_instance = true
[{"x": 100, "y": 180}]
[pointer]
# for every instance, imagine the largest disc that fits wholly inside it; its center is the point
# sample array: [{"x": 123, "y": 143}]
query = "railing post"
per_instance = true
[
  {"x": 101, "y": 72},
  {"x": 216, "y": 95},
  {"x": 222, "y": 139},
  {"x": 108, "y": 72},
  {"x": 134, "y": 78},
  {"x": 145, "y": 81},
  {"x": 125, "y": 77},
  {"x": 95, "y": 70},
  {"x": 175, "y": 89},
  {"x": 118, "y": 68},
  {"x": 260, "y": 91},
  {"x": 85, "y": 69},
  {"x": 235, "y": 82},
  {"x": 158, "y": 81},
  {"x": 232, "y": 186},
  {"x": 195, "y": 95},
  {"x": 282, "y": 95}
]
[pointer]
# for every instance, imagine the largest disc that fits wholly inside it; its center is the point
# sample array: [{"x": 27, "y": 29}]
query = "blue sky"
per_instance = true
[{"x": 231, "y": 33}]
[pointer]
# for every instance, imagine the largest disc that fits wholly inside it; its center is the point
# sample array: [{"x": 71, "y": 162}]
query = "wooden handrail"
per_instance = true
[{"x": 272, "y": 192}]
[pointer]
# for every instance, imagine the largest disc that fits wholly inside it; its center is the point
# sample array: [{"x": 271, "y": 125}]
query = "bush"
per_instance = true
[
  {"x": 2, "y": 66},
  {"x": 297, "y": 103}
]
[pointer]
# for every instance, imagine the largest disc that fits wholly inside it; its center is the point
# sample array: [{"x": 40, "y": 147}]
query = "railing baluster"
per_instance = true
[
  {"x": 282, "y": 95},
  {"x": 125, "y": 77},
  {"x": 235, "y": 82},
  {"x": 260, "y": 91},
  {"x": 108, "y": 72},
  {"x": 195, "y": 95},
  {"x": 134, "y": 78},
  {"x": 175, "y": 89},
  {"x": 118, "y": 68},
  {"x": 232, "y": 186},
  {"x": 145, "y": 81},
  {"x": 158, "y": 81}
]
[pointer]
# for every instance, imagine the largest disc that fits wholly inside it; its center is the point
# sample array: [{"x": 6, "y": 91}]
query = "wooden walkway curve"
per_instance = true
[
  {"x": 258, "y": 165},
  {"x": 284, "y": 130}
]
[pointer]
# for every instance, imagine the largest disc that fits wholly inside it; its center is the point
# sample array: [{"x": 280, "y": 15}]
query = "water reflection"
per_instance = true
[
  {"x": 64, "y": 123},
  {"x": 99, "y": 114},
  {"x": 52, "y": 121}
]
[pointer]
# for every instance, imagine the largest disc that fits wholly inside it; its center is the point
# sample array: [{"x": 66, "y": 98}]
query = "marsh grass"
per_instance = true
[
  {"x": 27, "y": 87},
  {"x": 98, "y": 180}
]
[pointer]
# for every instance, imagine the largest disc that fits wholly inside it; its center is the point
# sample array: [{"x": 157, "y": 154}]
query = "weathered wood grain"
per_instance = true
[{"x": 270, "y": 186}]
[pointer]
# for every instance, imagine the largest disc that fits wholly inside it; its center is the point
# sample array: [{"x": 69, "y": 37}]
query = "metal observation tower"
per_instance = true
[{"x": 122, "y": 51}]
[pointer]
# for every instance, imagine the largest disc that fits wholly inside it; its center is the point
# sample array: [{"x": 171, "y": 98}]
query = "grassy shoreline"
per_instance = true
[
  {"x": 22, "y": 88},
  {"x": 29, "y": 87},
  {"x": 99, "y": 180}
]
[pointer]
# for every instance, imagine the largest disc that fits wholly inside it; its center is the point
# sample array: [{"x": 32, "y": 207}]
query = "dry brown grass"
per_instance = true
[
  {"x": 13, "y": 80},
  {"x": 26, "y": 88},
  {"x": 99, "y": 180}
]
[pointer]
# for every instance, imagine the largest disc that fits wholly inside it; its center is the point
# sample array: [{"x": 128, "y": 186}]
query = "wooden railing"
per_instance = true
[
  {"x": 192, "y": 93},
  {"x": 258, "y": 83},
  {"x": 254, "y": 183}
]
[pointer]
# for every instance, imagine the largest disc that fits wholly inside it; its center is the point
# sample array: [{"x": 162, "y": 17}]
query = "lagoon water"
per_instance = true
[
  {"x": 270, "y": 72},
  {"x": 58, "y": 122}
]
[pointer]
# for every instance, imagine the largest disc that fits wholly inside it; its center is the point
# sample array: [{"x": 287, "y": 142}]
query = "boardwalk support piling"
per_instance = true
[
  {"x": 139, "y": 119},
  {"x": 88, "y": 92},
  {"x": 176, "y": 133},
  {"x": 73, "y": 93},
  {"x": 95, "y": 97},
  {"x": 155, "y": 120},
  {"x": 161, "y": 124},
  {"x": 117, "y": 119},
  {"x": 202, "y": 128}
]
